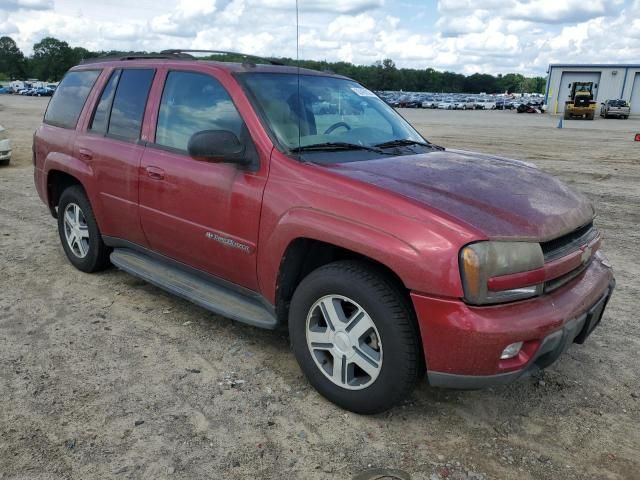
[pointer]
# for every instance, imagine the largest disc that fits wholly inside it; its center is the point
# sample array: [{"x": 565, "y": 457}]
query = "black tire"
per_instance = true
[
  {"x": 97, "y": 256},
  {"x": 4, "y": 163},
  {"x": 393, "y": 316}
]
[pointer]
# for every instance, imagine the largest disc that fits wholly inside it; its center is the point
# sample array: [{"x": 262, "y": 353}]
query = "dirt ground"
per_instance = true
[{"x": 105, "y": 376}]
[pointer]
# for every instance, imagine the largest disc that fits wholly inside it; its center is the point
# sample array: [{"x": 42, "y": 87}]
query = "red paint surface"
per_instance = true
[{"x": 412, "y": 214}]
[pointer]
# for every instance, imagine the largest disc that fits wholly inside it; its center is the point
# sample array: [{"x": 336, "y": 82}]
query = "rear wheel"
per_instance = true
[
  {"x": 354, "y": 335},
  {"x": 79, "y": 233}
]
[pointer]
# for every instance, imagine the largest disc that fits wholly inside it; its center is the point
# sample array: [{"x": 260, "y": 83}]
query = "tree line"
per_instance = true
[{"x": 51, "y": 58}]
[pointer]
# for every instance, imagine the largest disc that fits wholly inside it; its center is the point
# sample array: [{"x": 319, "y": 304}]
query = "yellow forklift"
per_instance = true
[{"x": 581, "y": 103}]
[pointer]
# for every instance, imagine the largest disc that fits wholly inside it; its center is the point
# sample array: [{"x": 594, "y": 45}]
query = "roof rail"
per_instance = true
[
  {"x": 136, "y": 56},
  {"x": 246, "y": 57}
]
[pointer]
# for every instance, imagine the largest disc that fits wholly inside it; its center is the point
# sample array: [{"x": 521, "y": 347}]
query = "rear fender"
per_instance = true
[{"x": 81, "y": 171}]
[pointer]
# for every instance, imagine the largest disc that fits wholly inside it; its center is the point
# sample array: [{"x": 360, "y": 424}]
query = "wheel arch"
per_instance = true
[
  {"x": 304, "y": 254},
  {"x": 57, "y": 182}
]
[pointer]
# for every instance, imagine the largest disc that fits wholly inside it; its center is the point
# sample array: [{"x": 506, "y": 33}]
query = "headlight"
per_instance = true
[{"x": 494, "y": 272}]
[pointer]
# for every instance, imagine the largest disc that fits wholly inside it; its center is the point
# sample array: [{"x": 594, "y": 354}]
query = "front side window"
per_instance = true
[
  {"x": 129, "y": 103},
  {"x": 69, "y": 98},
  {"x": 312, "y": 110},
  {"x": 193, "y": 102}
]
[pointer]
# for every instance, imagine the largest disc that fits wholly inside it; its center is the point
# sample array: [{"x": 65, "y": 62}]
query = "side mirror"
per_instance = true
[{"x": 217, "y": 146}]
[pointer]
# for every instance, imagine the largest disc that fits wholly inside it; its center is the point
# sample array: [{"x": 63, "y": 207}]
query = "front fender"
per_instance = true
[{"x": 395, "y": 253}]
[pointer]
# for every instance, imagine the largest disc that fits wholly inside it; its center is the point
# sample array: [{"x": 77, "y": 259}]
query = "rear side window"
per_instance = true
[
  {"x": 129, "y": 103},
  {"x": 66, "y": 104},
  {"x": 100, "y": 118},
  {"x": 192, "y": 102}
]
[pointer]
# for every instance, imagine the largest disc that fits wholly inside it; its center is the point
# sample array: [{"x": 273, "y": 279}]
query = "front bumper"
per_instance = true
[
  {"x": 463, "y": 343},
  {"x": 5, "y": 155}
]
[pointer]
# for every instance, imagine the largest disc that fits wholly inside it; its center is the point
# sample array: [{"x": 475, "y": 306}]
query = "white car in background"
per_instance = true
[
  {"x": 5, "y": 147},
  {"x": 485, "y": 104},
  {"x": 446, "y": 104}
]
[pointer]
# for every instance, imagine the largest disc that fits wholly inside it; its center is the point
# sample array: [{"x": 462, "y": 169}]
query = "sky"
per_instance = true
[{"x": 465, "y": 36}]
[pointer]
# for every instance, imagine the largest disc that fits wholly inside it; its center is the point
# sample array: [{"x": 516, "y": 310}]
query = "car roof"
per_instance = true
[{"x": 231, "y": 67}]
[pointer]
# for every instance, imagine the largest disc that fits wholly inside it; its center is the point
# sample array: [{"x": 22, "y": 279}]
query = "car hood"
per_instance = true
[{"x": 502, "y": 198}]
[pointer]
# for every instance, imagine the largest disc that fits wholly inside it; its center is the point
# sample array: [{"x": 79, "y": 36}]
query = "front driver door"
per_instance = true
[{"x": 203, "y": 214}]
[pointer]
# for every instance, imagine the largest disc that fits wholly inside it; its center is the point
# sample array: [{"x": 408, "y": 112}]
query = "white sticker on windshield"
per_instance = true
[{"x": 363, "y": 92}]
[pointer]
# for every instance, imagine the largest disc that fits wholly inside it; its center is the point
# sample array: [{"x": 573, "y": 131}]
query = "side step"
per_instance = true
[{"x": 207, "y": 294}]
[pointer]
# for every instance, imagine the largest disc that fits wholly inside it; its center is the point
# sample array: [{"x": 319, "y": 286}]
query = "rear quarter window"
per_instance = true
[{"x": 69, "y": 98}]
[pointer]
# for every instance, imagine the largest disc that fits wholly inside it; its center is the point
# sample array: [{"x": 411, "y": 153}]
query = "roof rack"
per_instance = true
[
  {"x": 179, "y": 54},
  {"x": 246, "y": 57},
  {"x": 136, "y": 56}
]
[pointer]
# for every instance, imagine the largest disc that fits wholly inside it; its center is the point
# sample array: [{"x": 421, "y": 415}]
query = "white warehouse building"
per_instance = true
[{"x": 610, "y": 82}]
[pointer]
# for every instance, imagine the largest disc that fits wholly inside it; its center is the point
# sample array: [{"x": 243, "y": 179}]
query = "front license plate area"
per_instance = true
[{"x": 594, "y": 315}]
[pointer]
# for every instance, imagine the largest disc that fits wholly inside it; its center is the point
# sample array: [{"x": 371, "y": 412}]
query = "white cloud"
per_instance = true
[
  {"x": 10, "y": 5},
  {"x": 554, "y": 11},
  {"x": 467, "y": 36},
  {"x": 351, "y": 27},
  {"x": 336, "y": 6}
]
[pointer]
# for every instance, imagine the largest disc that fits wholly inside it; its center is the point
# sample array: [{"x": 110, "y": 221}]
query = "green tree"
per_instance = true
[
  {"x": 12, "y": 61},
  {"x": 51, "y": 59},
  {"x": 80, "y": 54}
]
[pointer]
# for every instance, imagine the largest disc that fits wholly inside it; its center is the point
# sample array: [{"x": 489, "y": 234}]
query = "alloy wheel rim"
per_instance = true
[
  {"x": 76, "y": 230},
  {"x": 344, "y": 342}
]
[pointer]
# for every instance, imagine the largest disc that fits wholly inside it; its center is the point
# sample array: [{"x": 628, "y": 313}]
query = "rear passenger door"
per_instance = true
[
  {"x": 202, "y": 214},
  {"x": 110, "y": 144}
]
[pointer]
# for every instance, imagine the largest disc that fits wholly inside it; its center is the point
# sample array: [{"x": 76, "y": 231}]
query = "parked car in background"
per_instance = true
[
  {"x": 4, "y": 89},
  {"x": 429, "y": 102},
  {"x": 446, "y": 104},
  {"x": 485, "y": 104},
  {"x": 464, "y": 104},
  {"x": 5, "y": 147},
  {"x": 615, "y": 108},
  {"x": 42, "y": 92}
]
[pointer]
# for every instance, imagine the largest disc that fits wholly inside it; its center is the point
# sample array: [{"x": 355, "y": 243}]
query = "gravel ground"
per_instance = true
[{"x": 105, "y": 376}]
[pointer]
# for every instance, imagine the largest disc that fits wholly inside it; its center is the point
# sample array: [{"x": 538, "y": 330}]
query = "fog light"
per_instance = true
[{"x": 511, "y": 351}]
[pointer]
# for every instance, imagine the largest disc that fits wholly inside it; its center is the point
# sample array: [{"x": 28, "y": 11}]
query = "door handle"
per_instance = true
[
  {"x": 155, "y": 173},
  {"x": 85, "y": 154}
]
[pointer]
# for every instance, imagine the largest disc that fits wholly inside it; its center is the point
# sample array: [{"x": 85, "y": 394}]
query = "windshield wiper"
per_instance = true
[
  {"x": 403, "y": 142},
  {"x": 334, "y": 146}
]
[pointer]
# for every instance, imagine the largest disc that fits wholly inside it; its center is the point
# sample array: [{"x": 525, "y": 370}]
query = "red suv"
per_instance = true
[{"x": 284, "y": 197}]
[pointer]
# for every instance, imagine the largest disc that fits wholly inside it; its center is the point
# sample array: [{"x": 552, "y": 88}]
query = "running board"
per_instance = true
[{"x": 206, "y": 294}]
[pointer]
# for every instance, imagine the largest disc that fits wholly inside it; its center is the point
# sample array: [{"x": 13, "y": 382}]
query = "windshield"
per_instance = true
[{"x": 328, "y": 111}]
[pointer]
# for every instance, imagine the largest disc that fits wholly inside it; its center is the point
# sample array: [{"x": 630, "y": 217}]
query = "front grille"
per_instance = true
[
  {"x": 551, "y": 285},
  {"x": 564, "y": 245}
]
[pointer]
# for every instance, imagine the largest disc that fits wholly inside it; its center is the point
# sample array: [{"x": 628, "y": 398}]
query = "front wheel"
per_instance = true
[{"x": 355, "y": 337}]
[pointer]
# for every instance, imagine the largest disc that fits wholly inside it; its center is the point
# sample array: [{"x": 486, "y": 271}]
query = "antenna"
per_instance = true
[{"x": 298, "y": 75}]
